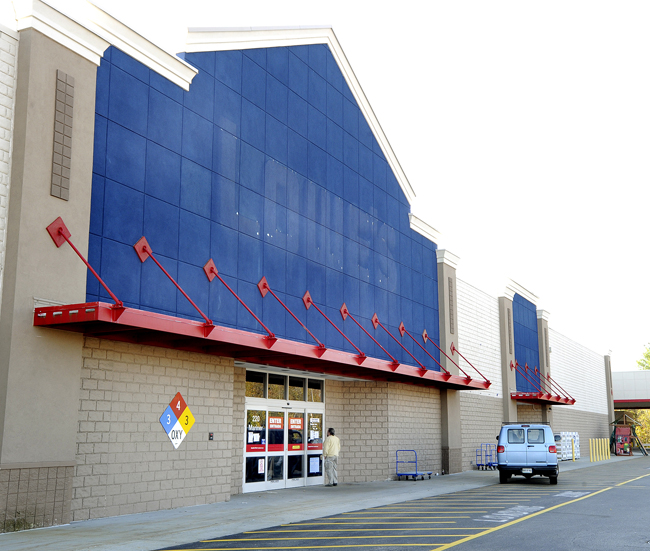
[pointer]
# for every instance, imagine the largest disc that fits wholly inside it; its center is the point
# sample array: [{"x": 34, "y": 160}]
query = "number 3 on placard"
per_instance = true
[
  {"x": 187, "y": 420},
  {"x": 168, "y": 419}
]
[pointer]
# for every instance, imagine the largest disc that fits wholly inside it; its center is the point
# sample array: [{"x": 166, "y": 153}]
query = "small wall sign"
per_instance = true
[{"x": 177, "y": 420}]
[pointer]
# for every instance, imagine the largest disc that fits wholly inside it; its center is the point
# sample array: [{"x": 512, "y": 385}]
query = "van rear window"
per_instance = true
[
  {"x": 535, "y": 436},
  {"x": 515, "y": 436}
]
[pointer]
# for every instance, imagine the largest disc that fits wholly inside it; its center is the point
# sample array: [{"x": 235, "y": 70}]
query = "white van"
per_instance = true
[{"x": 527, "y": 450}]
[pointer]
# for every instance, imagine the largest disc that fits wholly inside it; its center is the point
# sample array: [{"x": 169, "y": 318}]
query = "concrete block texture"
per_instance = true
[
  {"x": 481, "y": 418},
  {"x": 374, "y": 419},
  {"x": 35, "y": 497},
  {"x": 125, "y": 460}
]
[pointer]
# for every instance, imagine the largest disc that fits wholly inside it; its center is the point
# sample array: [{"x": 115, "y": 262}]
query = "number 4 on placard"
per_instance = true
[{"x": 178, "y": 405}]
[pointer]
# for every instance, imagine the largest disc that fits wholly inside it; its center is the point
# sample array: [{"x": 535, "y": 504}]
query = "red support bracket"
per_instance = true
[
  {"x": 345, "y": 313},
  {"x": 211, "y": 272},
  {"x": 376, "y": 323},
  {"x": 264, "y": 288},
  {"x": 307, "y": 300},
  {"x": 403, "y": 330},
  {"x": 555, "y": 385},
  {"x": 60, "y": 235},
  {"x": 425, "y": 338},
  {"x": 454, "y": 349},
  {"x": 143, "y": 250},
  {"x": 523, "y": 374}
]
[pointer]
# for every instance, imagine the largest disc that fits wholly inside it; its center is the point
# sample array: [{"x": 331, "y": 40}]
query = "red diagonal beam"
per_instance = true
[
  {"x": 425, "y": 338},
  {"x": 516, "y": 366},
  {"x": 307, "y": 300},
  {"x": 144, "y": 251},
  {"x": 454, "y": 349},
  {"x": 376, "y": 322},
  {"x": 60, "y": 234},
  {"x": 403, "y": 330},
  {"x": 345, "y": 313},
  {"x": 264, "y": 288},
  {"x": 556, "y": 384},
  {"x": 211, "y": 272}
]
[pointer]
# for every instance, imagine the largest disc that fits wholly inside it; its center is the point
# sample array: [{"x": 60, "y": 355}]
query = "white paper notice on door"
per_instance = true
[
  {"x": 314, "y": 465},
  {"x": 260, "y": 466}
]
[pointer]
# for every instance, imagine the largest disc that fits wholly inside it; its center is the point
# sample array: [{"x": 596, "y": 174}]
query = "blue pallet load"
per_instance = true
[
  {"x": 486, "y": 457},
  {"x": 411, "y": 458}
]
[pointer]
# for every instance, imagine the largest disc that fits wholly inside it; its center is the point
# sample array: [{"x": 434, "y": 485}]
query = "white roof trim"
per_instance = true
[
  {"x": 211, "y": 40},
  {"x": 90, "y": 31},
  {"x": 420, "y": 226},
  {"x": 61, "y": 28},
  {"x": 512, "y": 288},
  {"x": 543, "y": 314},
  {"x": 445, "y": 257}
]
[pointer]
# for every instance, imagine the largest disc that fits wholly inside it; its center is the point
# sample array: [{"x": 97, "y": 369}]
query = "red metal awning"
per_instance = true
[
  {"x": 548, "y": 391},
  {"x": 103, "y": 320}
]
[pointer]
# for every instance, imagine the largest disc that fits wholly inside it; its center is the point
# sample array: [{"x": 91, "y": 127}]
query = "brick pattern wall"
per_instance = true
[
  {"x": 125, "y": 461},
  {"x": 238, "y": 430},
  {"x": 529, "y": 413},
  {"x": 36, "y": 497},
  {"x": 586, "y": 424},
  {"x": 480, "y": 418},
  {"x": 414, "y": 423},
  {"x": 8, "y": 54},
  {"x": 358, "y": 411},
  {"x": 374, "y": 419},
  {"x": 478, "y": 335}
]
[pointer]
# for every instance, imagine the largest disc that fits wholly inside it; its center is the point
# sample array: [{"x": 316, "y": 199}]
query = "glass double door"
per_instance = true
[{"x": 283, "y": 448}]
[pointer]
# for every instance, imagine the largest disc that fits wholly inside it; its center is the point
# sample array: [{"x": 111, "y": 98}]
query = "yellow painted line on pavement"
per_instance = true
[
  {"x": 348, "y": 537},
  {"x": 306, "y": 547},
  {"x": 637, "y": 478},
  {"x": 403, "y": 522},
  {"x": 391, "y": 518},
  {"x": 357, "y": 530},
  {"x": 490, "y": 530}
]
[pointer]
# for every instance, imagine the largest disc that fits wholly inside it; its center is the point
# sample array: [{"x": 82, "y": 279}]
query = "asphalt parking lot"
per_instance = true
[{"x": 441, "y": 521}]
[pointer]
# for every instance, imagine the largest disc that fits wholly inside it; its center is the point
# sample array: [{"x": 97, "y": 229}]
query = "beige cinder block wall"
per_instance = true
[
  {"x": 125, "y": 461},
  {"x": 374, "y": 419},
  {"x": 40, "y": 366}
]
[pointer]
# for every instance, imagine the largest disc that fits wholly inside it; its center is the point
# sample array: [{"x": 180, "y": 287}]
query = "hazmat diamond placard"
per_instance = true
[{"x": 177, "y": 420}]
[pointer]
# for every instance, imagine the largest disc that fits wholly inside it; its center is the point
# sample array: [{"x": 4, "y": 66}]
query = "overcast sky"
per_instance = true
[{"x": 523, "y": 128}]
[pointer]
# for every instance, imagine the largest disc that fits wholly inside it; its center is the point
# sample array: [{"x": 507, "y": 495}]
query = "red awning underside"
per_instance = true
[
  {"x": 541, "y": 398},
  {"x": 102, "y": 320}
]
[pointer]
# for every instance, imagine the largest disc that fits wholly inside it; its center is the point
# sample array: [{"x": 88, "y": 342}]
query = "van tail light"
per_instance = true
[
  {"x": 552, "y": 449},
  {"x": 501, "y": 449}
]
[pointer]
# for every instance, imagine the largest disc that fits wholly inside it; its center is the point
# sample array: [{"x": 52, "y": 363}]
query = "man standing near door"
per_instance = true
[{"x": 331, "y": 449}]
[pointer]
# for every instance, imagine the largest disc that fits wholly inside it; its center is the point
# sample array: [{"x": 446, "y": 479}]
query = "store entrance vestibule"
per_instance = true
[{"x": 284, "y": 431}]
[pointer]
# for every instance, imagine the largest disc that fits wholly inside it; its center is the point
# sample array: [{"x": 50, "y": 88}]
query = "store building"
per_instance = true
[{"x": 262, "y": 278}]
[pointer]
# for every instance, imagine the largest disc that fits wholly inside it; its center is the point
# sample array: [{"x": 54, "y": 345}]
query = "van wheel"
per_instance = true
[
  {"x": 503, "y": 477},
  {"x": 553, "y": 479}
]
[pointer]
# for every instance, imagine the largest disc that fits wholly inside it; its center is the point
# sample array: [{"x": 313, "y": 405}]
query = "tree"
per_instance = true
[{"x": 644, "y": 362}]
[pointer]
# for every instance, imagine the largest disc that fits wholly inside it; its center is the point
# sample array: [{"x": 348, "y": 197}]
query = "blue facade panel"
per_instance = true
[
  {"x": 524, "y": 315},
  {"x": 267, "y": 166}
]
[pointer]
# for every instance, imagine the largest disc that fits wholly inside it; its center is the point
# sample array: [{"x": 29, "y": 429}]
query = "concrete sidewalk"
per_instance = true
[{"x": 148, "y": 531}]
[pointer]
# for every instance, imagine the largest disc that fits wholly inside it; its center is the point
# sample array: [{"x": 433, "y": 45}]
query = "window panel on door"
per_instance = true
[
  {"x": 296, "y": 431},
  {"x": 276, "y": 431},
  {"x": 255, "y": 469},
  {"x": 295, "y": 466},
  {"x": 256, "y": 430},
  {"x": 315, "y": 431},
  {"x": 315, "y": 465},
  {"x": 276, "y": 467}
]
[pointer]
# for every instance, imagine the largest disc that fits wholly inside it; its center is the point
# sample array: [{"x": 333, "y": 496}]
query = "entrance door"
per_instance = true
[{"x": 283, "y": 448}]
